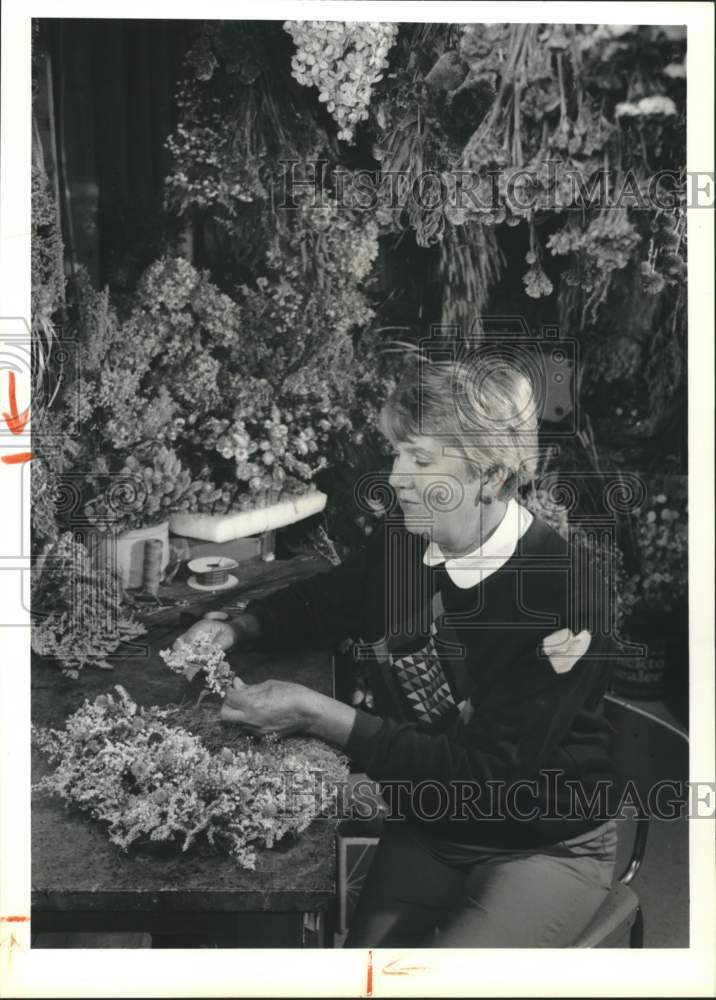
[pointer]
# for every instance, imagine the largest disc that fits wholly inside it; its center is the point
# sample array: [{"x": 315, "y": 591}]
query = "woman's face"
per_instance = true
[{"x": 436, "y": 492}]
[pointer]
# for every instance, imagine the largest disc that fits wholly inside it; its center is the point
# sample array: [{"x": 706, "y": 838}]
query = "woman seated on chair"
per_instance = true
[{"x": 488, "y": 671}]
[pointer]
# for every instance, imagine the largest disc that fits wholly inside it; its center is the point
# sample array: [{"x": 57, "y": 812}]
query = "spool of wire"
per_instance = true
[
  {"x": 212, "y": 578},
  {"x": 212, "y": 573},
  {"x": 152, "y": 565}
]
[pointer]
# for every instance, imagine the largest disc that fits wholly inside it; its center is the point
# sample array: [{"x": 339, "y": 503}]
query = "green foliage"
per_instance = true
[
  {"x": 545, "y": 121},
  {"x": 151, "y": 485},
  {"x": 312, "y": 297},
  {"x": 239, "y": 115},
  {"x": 46, "y": 262},
  {"x": 105, "y": 446},
  {"x": 43, "y": 499},
  {"x": 256, "y": 377},
  {"x": 546, "y": 109},
  {"x": 539, "y": 503},
  {"x": 662, "y": 580},
  {"x": 202, "y": 401},
  {"x": 47, "y": 299}
]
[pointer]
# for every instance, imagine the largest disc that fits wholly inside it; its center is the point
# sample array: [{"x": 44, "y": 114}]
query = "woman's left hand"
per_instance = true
[{"x": 270, "y": 707}]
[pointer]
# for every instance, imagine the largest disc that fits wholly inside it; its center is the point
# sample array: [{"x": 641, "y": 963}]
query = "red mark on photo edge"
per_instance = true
[
  {"x": 14, "y": 420},
  {"x": 369, "y": 976},
  {"x": 16, "y": 425},
  {"x": 395, "y": 969},
  {"x": 14, "y": 920}
]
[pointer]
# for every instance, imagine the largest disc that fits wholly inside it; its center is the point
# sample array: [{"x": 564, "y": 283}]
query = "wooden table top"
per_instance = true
[{"x": 74, "y": 865}]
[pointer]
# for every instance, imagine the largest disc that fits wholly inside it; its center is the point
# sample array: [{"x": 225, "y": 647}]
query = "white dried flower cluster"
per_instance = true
[
  {"x": 203, "y": 654},
  {"x": 344, "y": 61},
  {"x": 657, "y": 104},
  {"x": 150, "y": 780}
]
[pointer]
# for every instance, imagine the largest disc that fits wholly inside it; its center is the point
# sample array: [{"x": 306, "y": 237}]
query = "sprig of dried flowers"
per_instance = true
[{"x": 202, "y": 653}]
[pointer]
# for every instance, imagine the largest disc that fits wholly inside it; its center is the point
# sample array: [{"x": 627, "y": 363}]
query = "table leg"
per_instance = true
[{"x": 319, "y": 929}]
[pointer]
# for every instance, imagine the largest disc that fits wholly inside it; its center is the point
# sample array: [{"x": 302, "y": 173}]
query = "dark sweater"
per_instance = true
[{"x": 430, "y": 645}]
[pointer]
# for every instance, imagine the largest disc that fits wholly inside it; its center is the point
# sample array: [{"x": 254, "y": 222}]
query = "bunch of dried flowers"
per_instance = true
[{"x": 150, "y": 779}]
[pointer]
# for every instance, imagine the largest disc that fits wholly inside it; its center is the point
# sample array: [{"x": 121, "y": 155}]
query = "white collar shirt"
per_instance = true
[{"x": 474, "y": 567}]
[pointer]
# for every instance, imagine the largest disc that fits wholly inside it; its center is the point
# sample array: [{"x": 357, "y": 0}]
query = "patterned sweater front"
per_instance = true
[{"x": 476, "y": 735}]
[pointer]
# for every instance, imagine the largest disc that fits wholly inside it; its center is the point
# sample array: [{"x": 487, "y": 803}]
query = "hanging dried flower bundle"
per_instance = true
[{"x": 344, "y": 61}]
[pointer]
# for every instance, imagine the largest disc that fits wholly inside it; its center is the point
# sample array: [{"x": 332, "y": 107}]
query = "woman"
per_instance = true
[{"x": 489, "y": 740}]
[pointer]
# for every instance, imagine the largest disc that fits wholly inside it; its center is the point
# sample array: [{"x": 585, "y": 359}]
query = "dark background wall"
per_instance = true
[{"x": 104, "y": 107}]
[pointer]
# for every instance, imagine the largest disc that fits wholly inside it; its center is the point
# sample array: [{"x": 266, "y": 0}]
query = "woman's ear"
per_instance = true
[{"x": 493, "y": 484}]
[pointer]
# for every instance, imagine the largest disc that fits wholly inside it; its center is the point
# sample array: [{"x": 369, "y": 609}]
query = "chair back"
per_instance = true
[
  {"x": 651, "y": 759},
  {"x": 646, "y": 749}
]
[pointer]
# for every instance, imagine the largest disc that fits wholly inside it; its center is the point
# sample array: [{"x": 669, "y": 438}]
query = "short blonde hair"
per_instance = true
[{"x": 482, "y": 404}]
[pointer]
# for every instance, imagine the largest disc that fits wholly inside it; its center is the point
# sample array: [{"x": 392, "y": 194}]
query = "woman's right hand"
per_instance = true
[
  {"x": 221, "y": 633},
  {"x": 226, "y": 634}
]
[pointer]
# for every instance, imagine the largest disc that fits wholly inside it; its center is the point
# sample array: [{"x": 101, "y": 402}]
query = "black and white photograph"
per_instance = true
[{"x": 358, "y": 407}]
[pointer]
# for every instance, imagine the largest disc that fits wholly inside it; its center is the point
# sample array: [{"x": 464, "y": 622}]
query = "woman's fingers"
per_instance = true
[
  {"x": 239, "y": 718},
  {"x": 229, "y": 714},
  {"x": 238, "y": 695},
  {"x": 271, "y": 706},
  {"x": 219, "y": 632},
  {"x": 200, "y": 628},
  {"x": 237, "y": 705}
]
